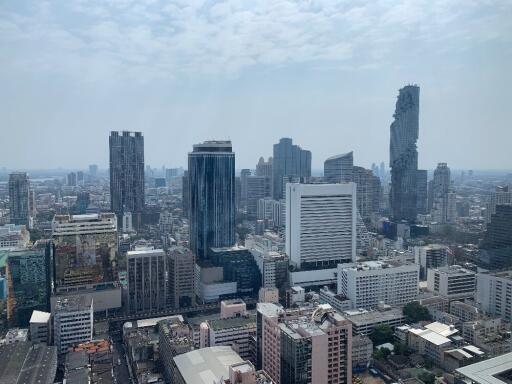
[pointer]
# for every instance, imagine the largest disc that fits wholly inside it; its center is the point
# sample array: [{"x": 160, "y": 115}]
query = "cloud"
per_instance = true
[{"x": 154, "y": 39}]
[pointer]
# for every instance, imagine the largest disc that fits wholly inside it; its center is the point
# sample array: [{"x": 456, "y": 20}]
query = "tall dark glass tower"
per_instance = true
[
  {"x": 404, "y": 154},
  {"x": 211, "y": 176},
  {"x": 288, "y": 160},
  {"x": 127, "y": 174},
  {"x": 18, "y": 198},
  {"x": 339, "y": 168}
]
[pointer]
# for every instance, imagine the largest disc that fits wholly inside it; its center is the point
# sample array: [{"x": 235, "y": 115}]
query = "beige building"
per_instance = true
[{"x": 181, "y": 274}]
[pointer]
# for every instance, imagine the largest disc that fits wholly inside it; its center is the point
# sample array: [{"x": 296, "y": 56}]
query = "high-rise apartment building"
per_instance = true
[
  {"x": 288, "y": 160},
  {"x": 181, "y": 275},
  {"x": 147, "y": 287},
  {"x": 28, "y": 284},
  {"x": 494, "y": 293},
  {"x": 320, "y": 224},
  {"x": 338, "y": 169},
  {"x": 73, "y": 321},
  {"x": 19, "y": 198},
  {"x": 85, "y": 248},
  {"x": 404, "y": 154},
  {"x": 496, "y": 247},
  {"x": 127, "y": 174},
  {"x": 211, "y": 167},
  {"x": 369, "y": 283}
]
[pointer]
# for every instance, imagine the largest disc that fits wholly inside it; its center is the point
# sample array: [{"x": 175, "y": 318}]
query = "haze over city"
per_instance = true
[{"x": 325, "y": 73}]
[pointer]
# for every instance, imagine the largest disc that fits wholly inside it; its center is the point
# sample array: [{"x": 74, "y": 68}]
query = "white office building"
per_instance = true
[
  {"x": 494, "y": 294},
  {"x": 320, "y": 224},
  {"x": 40, "y": 327},
  {"x": 370, "y": 283},
  {"x": 73, "y": 322},
  {"x": 452, "y": 282}
]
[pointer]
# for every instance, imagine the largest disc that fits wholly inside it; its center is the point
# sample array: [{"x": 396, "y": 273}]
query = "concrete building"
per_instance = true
[
  {"x": 85, "y": 248},
  {"x": 339, "y": 168},
  {"x": 338, "y": 302},
  {"x": 147, "y": 286},
  {"x": 494, "y": 293},
  {"x": 107, "y": 296},
  {"x": 312, "y": 347},
  {"x": 432, "y": 341},
  {"x": 364, "y": 322},
  {"x": 370, "y": 283},
  {"x": 174, "y": 338},
  {"x": 362, "y": 350},
  {"x": 271, "y": 211},
  {"x": 127, "y": 174},
  {"x": 320, "y": 224},
  {"x": 210, "y": 284},
  {"x": 14, "y": 236},
  {"x": 211, "y": 180},
  {"x": 491, "y": 371},
  {"x": 453, "y": 282},
  {"x": 181, "y": 277},
  {"x": 273, "y": 267},
  {"x": 41, "y": 327},
  {"x": 288, "y": 160},
  {"x": 19, "y": 210},
  {"x": 501, "y": 196},
  {"x": 73, "y": 322},
  {"x": 205, "y": 365},
  {"x": 430, "y": 256},
  {"x": 264, "y": 168}
]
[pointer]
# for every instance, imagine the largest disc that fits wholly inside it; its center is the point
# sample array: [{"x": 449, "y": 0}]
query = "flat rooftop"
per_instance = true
[
  {"x": 206, "y": 365},
  {"x": 488, "y": 371}
]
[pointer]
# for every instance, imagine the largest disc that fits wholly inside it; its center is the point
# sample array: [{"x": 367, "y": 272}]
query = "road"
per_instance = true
[{"x": 121, "y": 373}]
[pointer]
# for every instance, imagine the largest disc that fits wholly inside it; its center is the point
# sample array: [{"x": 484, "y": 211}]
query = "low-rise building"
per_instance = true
[
  {"x": 40, "y": 327},
  {"x": 362, "y": 349},
  {"x": 364, "y": 322},
  {"x": 491, "y": 371}
]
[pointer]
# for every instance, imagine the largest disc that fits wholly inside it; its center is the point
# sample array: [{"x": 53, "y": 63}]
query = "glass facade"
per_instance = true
[{"x": 211, "y": 178}]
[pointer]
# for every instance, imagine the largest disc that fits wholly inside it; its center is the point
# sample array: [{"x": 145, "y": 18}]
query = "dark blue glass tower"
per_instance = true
[{"x": 211, "y": 177}]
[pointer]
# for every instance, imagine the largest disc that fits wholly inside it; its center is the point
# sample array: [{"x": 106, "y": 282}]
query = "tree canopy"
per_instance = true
[{"x": 415, "y": 312}]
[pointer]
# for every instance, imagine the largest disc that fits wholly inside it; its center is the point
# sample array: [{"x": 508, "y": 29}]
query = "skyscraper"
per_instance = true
[
  {"x": 19, "y": 198},
  {"x": 338, "y": 169},
  {"x": 127, "y": 174},
  {"x": 288, "y": 160},
  {"x": 404, "y": 154},
  {"x": 422, "y": 191},
  {"x": 496, "y": 247},
  {"x": 211, "y": 167},
  {"x": 368, "y": 192},
  {"x": 441, "y": 186},
  {"x": 320, "y": 224},
  {"x": 147, "y": 288}
]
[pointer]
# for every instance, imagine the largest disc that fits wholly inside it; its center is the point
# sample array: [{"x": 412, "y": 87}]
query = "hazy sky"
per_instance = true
[{"x": 325, "y": 73}]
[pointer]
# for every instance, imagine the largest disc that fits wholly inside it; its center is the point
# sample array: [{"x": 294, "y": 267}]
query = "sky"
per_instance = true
[{"x": 325, "y": 73}]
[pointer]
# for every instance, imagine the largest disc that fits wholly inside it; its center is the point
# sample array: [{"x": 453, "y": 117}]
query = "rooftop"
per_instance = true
[
  {"x": 40, "y": 317},
  {"x": 235, "y": 322},
  {"x": 206, "y": 365},
  {"x": 488, "y": 371},
  {"x": 73, "y": 303}
]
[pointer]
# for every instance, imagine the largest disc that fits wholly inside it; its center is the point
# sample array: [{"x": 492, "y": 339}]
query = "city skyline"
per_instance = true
[{"x": 96, "y": 67}]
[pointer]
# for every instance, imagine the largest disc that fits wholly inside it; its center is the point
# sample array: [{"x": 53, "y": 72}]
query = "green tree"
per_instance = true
[
  {"x": 415, "y": 312},
  {"x": 427, "y": 377},
  {"x": 382, "y": 334},
  {"x": 381, "y": 353}
]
